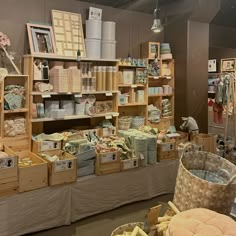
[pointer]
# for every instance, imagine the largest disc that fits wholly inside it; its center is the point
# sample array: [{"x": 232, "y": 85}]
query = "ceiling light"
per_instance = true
[{"x": 157, "y": 26}]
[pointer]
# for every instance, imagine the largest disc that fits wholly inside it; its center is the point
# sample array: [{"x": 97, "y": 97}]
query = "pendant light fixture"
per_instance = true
[{"x": 157, "y": 26}]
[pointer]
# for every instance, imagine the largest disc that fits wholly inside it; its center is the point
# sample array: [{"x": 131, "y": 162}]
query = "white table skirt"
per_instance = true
[{"x": 56, "y": 206}]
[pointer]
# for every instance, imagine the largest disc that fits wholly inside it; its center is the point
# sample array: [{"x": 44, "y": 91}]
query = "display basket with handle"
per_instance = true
[{"x": 205, "y": 180}]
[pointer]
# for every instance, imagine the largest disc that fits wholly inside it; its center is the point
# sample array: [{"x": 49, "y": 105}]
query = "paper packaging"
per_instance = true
[
  {"x": 128, "y": 76},
  {"x": 58, "y": 113},
  {"x": 51, "y": 105},
  {"x": 69, "y": 106}
]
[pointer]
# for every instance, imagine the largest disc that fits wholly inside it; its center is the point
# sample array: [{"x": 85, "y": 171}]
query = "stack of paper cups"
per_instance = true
[
  {"x": 108, "y": 40},
  {"x": 93, "y": 38}
]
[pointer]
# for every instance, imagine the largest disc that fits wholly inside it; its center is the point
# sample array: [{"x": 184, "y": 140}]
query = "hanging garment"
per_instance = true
[{"x": 218, "y": 113}]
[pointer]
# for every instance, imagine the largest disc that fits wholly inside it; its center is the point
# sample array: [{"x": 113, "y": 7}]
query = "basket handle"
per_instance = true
[
  {"x": 231, "y": 180},
  {"x": 223, "y": 171}
]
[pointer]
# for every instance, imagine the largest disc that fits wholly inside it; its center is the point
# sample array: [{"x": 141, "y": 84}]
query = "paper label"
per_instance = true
[
  {"x": 142, "y": 156},
  {"x": 46, "y": 95},
  {"x": 63, "y": 165},
  {"x": 167, "y": 147},
  {"x": 7, "y": 163},
  {"x": 155, "y": 77},
  {"x": 78, "y": 95},
  {"x": 168, "y": 77},
  {"x": 49, "y": 145},
  {"x": 108, "y": 94},
  {"x": 134, "y": 86},
  {"x": 108, "y": 117},
  {"x": 115, "y": 114},
  {"x": 129, "y": 164},
  {"x": 108, "y": 157}
]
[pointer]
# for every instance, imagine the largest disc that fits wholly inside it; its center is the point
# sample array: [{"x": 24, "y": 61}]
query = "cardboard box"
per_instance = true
[{"x": 33, "y": 176}]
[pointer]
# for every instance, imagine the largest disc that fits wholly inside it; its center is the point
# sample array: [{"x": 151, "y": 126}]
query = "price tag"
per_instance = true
[
  {"x": 115, "y": 114},
  {"x": 155, "y": 77},
  {"x": 133, "y": 85},
  {"x": 168, "y": 77},
  {"x": 141, "y": 156},
  {"x": 6, "y": 163},
  {"x": 78, "y": 95},
  {"x": 108, "y": 117},
  {"x": 63, "y": 165},
  {"x": 46, "y": 95},
  {"x": 108, "y": 94}
]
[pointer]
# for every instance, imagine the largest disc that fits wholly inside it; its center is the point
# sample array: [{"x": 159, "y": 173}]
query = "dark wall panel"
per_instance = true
[{"x": 132, "y": 28}]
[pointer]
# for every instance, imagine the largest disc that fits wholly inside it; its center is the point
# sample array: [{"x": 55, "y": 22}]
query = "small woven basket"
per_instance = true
[
  {"x": 137, "y": 122},
  {"x": 127, "y": 227},
  {"x": 124, "y": 122}
]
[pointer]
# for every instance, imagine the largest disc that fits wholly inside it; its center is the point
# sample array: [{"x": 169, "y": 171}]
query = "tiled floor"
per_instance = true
[{"x": 103, "y": 224}]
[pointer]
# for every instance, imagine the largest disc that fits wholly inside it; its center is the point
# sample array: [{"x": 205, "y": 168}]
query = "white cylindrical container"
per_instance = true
[
  {"x": 93, "y": 29},
  {"x": 108, "y": 49},
  {"x": 165, "y": 89},
  {"x": 108, "y": 30},
  {"x": 93, "y": 48}
]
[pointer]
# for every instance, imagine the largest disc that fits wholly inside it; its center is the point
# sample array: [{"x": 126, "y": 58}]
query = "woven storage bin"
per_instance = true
[
  {"x": 192, "y": 191},
  {"x": 137, "y": 122},
  {"x": 124, "y": 122},
  {"x": 127, "y": 227}
]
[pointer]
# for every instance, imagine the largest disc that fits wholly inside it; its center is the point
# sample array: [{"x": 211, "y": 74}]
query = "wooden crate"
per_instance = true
[
  {"x": 8, "y": 173},
  {"x": 150, "y": 50},
  {"x": 33, "y": 176},
  {"x": 206, "y": 140},
  {"x": 130, "y": 164},
  {"x": 62, "y": 171},
  {"x": 107, "y": 163},
  {"x": 166, "y": 151},
  {"x": 45, "y": 146}
]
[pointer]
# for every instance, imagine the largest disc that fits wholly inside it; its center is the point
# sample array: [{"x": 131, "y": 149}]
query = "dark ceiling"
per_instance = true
[
  {"x": 225, "y": 17},
  {"x": 146, "y": 6}
]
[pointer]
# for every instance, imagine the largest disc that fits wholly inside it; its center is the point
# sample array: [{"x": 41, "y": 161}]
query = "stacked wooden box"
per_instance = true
[{"x": 166, "y": 151}]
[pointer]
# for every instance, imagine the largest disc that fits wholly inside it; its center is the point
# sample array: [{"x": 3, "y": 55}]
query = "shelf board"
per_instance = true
[
  {"x": 133, "y": 104},
  {"x": 167, "y": 118},
  {"x": 77, "y": 117},
  {"x": 17, "y": 137},
  {"x": 15, "y": 75},
  {"x": 131, "y": 85},
  {"x": 56, "y": 93},
  {"x": 55, "y": 56},
  {"x": 161, "y": 95},
  {"x": 211, "y": 92},
  {"x": 15, "y": 111},
  {"x": 130, "y": 66}
]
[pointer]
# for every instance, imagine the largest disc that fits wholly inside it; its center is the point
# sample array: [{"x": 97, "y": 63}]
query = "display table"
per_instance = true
[{"x": 55, "y": 206}]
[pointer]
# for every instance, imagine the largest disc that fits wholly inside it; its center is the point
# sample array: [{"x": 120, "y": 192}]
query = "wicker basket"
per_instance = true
[
  {"x": 124, "y": 122},
  {"x": 127, "y": 227},
  {"x": 137, "y": 122},
  {"x": 205, "y": 180}
]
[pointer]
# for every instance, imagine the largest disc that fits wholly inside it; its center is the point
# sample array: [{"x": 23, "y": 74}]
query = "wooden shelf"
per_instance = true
[
  {"x": 77, "y": 117},
  {"x": 17, "y": 137},
  {"x": 167, "y": 118},
  {"x": 58, "y": 57},
  {"x": 161, "y": 95},
  {"x": 130, "y": 66},
  {"x": 16, "y": 111},
  {"x": 131, "y": 85},
  {"x": 133, "y": 104},
  {"x": 211, "y": 92},
  {"x": 15, "y": 75},
  {"x": 55, "y": 93}
]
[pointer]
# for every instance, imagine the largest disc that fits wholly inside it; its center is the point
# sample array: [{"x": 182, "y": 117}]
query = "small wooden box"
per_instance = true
[
  {"x": 33, "y": 176},
  {"x": 150, "y": 50},
  {"x": 8, "y": 172},
  {"x": 106, "y": 132},
  {"x": 62, "y": 171},
  {"x": 45, "y": 146},
  {"x": 130, "y": 164},
  {"x": 206, "y": 140},
  {"x": 107, "y": 163},
  {"x": 166, "y": 151}
]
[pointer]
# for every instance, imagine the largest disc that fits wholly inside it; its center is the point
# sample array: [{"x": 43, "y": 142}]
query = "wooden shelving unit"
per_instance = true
[
  {"x": 48, "y": 124},
  {"x": 18, "y": 141}
]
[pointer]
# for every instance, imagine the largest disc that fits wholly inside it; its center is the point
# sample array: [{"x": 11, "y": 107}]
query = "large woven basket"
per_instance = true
[{"x": 205, "y": 180}]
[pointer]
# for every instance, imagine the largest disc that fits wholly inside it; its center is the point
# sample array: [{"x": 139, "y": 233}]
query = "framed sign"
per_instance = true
[
  {"x": 95, "y": 13},
  {"x": 212, "y": 65},
  {"x": 227, "y": 64},
  {"x": 41, "y": 39}
]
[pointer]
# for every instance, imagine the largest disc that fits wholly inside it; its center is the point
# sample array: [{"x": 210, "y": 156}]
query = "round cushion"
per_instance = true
[{"x": 201, "y": 222}]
